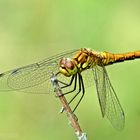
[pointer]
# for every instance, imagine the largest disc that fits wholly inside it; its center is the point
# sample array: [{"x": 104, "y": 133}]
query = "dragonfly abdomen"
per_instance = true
[{"x": 109, "y": 58}]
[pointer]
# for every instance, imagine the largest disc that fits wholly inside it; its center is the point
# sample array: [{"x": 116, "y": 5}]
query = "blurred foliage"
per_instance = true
[{"x": 32, "y": 30}]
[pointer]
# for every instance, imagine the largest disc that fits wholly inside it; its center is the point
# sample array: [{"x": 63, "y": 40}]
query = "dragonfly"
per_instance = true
[{"x": 75, "y": 70}]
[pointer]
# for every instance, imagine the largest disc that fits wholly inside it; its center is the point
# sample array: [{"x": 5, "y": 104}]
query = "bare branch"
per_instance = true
[{"x": 71, "y": 116}]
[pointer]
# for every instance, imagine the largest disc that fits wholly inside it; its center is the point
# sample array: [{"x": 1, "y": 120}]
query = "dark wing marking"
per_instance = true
[{"x": 108, "y": 100}]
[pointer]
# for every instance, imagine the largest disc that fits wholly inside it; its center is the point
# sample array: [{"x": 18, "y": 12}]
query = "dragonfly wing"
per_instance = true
[
  {"x": 32, "y": 78},
  {"x": 88, "y": 78},
  {"x": 101, "y": 88},
  {"x": 108, "y": 100},
  {"x": 26, "y": 77}
]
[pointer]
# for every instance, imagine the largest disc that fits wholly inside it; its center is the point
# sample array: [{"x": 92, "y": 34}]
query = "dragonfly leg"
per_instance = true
[
  {"x": 65, "y": 84},
  {"x": 79, "y": 90},
  {"x": 81, "y": 85},
  {"x": 83, "y": 91},
  {"x": 74, "y": 88}
]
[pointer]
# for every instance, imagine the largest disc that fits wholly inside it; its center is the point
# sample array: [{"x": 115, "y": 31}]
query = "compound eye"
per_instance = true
[
  {"x": 67, "y": 67},
  {"x": 69, "y": 64}
]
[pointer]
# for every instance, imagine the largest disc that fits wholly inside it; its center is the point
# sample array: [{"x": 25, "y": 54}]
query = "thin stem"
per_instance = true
[{"x": 71, "y": 116}]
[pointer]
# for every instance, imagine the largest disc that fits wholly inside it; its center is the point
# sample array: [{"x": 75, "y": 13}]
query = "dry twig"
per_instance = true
[{"x": 71, "y": 116}]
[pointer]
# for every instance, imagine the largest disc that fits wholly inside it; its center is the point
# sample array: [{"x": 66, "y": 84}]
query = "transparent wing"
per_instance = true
[
  {"x": 34, "y": 78},
  {"x": 108, "y": 100}
]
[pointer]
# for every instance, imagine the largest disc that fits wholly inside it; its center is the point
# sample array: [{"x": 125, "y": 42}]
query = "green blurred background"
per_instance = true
[{"x": 32, "y": 30}]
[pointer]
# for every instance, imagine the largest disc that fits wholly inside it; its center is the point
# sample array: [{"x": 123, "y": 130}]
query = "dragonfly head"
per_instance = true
[{"x": 67, "y": 66}]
